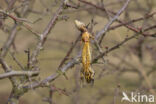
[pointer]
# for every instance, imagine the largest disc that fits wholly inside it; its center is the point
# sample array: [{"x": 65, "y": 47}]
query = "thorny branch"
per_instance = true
[{"x": 16, "y": 77}]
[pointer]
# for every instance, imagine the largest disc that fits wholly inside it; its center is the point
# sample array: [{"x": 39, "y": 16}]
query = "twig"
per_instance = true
[
  {"x": 28, "y": 58},
  {"x": 55, "y": 75},
  {"x": 11, "y": 4},
  {"x": 31, "y": 30},
  {"x": 6, "y": 68},
  {"x": 9, "y": 41},
  {"x": 16, "y": 19},
  {"x": 118, "y": 45},
  {"x": 99, "y": 48},
  {"x": 69, "y": 51},
  {"x": 103, "y": 31},
  {"x": 45, "y": 33},
  {"x": 118, "y": 20},
  {"x": 18, "y": 73},
  {"x": 4, "y": 65},
  {"x": 132, "y": 21},
  {"x": 113, "y": 48},
  {"x": 86, "y": 2},
  {"x": 15, "y": 59}
]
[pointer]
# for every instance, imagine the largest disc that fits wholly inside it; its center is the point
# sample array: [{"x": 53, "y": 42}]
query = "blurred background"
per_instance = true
[{"x": 129, "y": 68}]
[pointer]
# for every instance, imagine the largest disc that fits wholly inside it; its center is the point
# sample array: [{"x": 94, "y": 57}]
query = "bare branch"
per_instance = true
[
  {"x": 113, "y": 48},
  {"x": 55, "y": 75},
  {"x": 9, "y": 41},
  {"x": 103, "y": 31},
  {"x": 18, "y": 73},
  {"x": 69, "y": 52},
  {"x": 15, "y": 59},
  {"x": 45, "y": 33},
  {"x": 132, "y": 21},
  {"x": 4, "y": 65}
]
